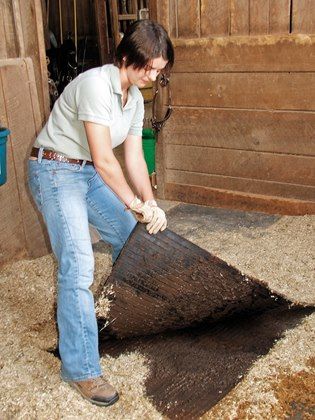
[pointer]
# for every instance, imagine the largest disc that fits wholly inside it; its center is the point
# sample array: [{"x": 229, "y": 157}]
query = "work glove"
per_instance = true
[
  {"x": 142, "y": 211},
  {"x": 158, "y": 221}
]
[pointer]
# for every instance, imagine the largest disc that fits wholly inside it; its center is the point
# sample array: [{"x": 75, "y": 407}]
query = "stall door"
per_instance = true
[{"x": 243, "y": 92}]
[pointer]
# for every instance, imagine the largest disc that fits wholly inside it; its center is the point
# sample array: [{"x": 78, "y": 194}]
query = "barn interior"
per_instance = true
[{"x": 234, "y": 170}]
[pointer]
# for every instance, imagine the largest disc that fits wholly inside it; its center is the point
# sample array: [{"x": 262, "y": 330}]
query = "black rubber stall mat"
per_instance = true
[
  {"x": 200, "y": 322},
  {"x": 192, "y": 369},
  {"x": 163, "y": 281}
]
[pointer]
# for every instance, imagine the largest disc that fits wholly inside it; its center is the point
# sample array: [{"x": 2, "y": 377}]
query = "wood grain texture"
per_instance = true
[
  {"x": 113, "y": 10},
  {"x": 236, "y": 200},
  {"x": 294, "y": 91},
  {"x": 8, "y": 39},
  {"x": 22, "y": 23},
  {"x": 242, "y": 185},
  {"x": 239, "y": 163},
  {"x": 243, "y": 96},
  {"x": 23, "y": 119},
  {"x": 259, "y": 17},
  {"x": 303, "y": 16},
  {"x": 266, "y": 131},
  {"x": 11, "y": 226},
  {"x": 18, "y": 27},
  {"x": 163, "y": 15},
  {"x": 188, "y": 18},
  {"x": 102, "y": 32},
  {"x": 246, "y": 53},
  {"x": 240, "y": 17},
  {"x": 279, "y": 16},
  {"x": 215, "y": 17}
]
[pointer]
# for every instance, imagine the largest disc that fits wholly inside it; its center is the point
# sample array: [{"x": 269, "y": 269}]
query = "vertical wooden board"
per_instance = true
[
  {"x": 3, "y": 44},
  {"x": 11, "y": 226},
  {"x": 153, "y": 9},
  {"x": 43, "y": 84},
  {"x": 163, "y": 15},
  {"x": 18, "y": 27},
  {"x": 160, "y": 166},
  {"x": 53, "y": 18},
  {"x": 279, "y": 16},
  {"x": 33, "y": 38},
  {"x": 33, "y": 95},
  {"x": 240, "y": 17},
  {"x": 45, "y": 24},
  {"x": 215, "y": 17},
  {"x": 188, "y": 18},
  {"x": 173, "y": 19},
  {"x": 259, "y": 17},
  {"x": 67, "y": 18},
  {"x": 23, "y": 115},
  {"x": 114, "y": 21},
  {"x": 8, "y": 42},
  {"x": 101, "y": 29},
  {"x": 85, "y": 16},
  {"x": 12, "y": 235},
  {"x": 303, "y": 16}
]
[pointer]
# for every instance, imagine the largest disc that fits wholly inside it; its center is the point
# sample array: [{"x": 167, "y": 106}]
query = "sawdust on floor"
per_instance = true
[
  {"x": 281, "y": 255},
  {"x": 29, "y": 374}
]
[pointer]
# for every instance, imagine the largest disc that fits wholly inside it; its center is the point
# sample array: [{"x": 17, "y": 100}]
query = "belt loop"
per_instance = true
[
  {"x": 40, "y": 154},
  {"x": 83, "y": 164}
]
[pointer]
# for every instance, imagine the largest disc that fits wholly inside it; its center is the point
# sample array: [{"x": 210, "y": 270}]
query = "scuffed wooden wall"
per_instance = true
[
  {"x": 24, "y": 107},
  {"x": 243, "y": 90}
]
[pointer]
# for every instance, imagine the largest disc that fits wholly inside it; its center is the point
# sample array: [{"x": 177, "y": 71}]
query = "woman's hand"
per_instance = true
[
  {"x": 149, "y": 212},
  {"x": 142, "y": 211},
  {"x": 158, "y": 221}
]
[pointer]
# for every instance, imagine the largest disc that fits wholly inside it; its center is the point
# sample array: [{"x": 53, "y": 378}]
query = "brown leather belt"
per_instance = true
[{"x": 51, "y": 155}]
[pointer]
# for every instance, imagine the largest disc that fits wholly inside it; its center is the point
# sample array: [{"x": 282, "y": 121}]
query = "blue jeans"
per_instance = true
[{"x": 71, "y": 196}]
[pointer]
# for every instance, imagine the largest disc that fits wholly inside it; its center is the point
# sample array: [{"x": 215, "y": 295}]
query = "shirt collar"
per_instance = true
[{"x": 115, "y": 81}]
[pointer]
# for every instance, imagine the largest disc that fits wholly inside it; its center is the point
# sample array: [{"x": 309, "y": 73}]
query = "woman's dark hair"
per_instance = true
[{"x": 143, "y": 41}]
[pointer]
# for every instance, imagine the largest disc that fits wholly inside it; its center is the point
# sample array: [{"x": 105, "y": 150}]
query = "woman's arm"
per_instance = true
[
  {"x": 137, "y": 167},
  {"x": 105, "y": 162}
]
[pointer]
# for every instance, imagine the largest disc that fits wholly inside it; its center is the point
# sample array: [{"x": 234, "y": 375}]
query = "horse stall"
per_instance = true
[{"x": 214, "y": 317}]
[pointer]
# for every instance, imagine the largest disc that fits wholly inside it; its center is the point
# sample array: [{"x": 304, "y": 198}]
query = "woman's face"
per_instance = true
[{"x": 141, "y": 77}]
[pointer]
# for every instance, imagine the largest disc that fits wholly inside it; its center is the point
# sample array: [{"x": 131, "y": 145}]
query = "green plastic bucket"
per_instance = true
[
  {"x": 148, "y": 146},
  {"x": 4, "y": 132}
]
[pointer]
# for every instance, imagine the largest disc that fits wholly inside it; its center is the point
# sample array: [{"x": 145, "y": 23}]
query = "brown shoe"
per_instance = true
[{"x": 96, "y": 390}]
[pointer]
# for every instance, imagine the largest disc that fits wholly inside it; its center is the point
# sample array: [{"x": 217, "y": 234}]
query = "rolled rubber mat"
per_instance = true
[{"x": 163, "y": 282}]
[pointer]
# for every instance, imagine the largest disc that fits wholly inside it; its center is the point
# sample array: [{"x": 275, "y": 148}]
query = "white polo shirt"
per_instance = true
[{"x": 94, "y": 96}]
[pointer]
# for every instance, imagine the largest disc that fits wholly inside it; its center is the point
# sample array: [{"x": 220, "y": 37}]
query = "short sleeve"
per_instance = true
[
  {"x": 94, "y": 101},
  {"x": 137, "y": 121}
]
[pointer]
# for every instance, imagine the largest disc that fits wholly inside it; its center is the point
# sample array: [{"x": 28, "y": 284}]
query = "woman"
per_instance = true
[{"x": 75, "y": 180}]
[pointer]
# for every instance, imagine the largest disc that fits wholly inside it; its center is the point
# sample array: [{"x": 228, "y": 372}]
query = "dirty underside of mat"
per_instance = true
[{"x": 165, "y": 282}]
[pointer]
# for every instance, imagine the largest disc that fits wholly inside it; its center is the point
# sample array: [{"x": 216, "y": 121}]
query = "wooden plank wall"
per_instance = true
[
  {"x": 243, "y": 92},
  {"x": 24, "y": 107},
  {"x": 21, "y": 35}
]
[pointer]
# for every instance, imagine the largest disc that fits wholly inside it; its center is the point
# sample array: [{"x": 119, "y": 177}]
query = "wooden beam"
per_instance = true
[
  {"x": 268, "y": 53},
  {"x": 281, "y": 91},
  {"x": 237, "y": 200},
  {"x": 265, "y": 131}
]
